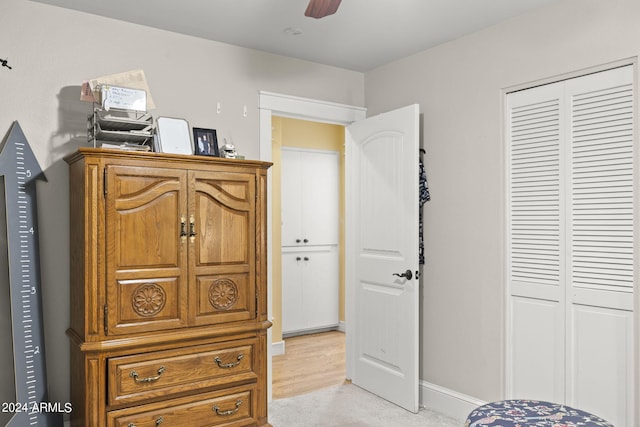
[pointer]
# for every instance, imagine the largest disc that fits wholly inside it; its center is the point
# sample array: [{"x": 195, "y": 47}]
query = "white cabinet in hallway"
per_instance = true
[
  {"x": 310, "y": 289},
  {"x": 310, "y": 242},
  {"x": 310, "y": 200}
]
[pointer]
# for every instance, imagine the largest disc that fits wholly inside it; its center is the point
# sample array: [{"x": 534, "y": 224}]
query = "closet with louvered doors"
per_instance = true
[{"x": 571, "y": 208}]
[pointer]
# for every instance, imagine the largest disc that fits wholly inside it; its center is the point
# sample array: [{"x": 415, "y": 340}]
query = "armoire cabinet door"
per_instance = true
[
  {"x": 222, "y": 247},
  {"x": 146, "y": 276}
]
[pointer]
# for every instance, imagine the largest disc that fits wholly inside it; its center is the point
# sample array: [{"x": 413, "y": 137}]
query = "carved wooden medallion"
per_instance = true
[
  {"x": 148, "y": 299},
  {"x": 223, "y": 294}
]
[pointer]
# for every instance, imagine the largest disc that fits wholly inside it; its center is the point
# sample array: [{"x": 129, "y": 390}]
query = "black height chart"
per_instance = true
[{"x": 20, "y": 169}]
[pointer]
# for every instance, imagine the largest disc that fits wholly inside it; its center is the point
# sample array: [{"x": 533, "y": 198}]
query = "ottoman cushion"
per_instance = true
[{"x": 531, "y": 413}]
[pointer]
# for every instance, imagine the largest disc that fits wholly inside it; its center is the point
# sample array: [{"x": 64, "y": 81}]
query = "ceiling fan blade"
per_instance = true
[{"x": 321, "y": 8}]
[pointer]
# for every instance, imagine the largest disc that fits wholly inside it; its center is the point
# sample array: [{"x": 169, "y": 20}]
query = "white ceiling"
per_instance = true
[{"x": 362, "y": 35}]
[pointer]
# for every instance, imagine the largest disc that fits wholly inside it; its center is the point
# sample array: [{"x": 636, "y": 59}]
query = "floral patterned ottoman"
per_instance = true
[{"x": 531, "y": 413}]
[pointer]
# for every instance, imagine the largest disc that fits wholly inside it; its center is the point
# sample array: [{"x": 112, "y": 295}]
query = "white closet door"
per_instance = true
[
  {"x": 601, "y": 244},
  {"x": 310, "y": 197},
  {"x": 293, "y": 300},
  {"x": 571, "y": 243},
  {"x": 291, "y": 188},
  {"x": 536, "y": 247},
  {"x": 320, "y": 271},
  {"x": 310, "y": 294},
  {"x": 310, "y": 218},
  {"x": 320, "y": 197}
]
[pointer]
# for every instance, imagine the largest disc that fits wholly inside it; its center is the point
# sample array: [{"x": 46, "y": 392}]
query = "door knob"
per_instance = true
[{"x": 407, "y": 275}]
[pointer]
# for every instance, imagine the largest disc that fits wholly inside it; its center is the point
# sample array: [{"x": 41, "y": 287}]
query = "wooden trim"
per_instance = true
[{"x": 106, "y": 153}]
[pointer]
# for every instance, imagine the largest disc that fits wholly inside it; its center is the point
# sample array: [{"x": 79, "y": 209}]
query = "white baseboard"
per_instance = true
[
  {"x": 342, "y": 326},
  {"x": 448, "y": 402},
  {"x": 277, "y": 348}
]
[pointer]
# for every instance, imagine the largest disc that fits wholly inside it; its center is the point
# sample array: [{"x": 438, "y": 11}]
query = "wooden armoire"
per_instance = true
[{"x": 168, "y": 290}]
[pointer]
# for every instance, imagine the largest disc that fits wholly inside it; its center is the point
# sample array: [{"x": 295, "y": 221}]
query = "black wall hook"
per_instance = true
[{"x": 4, "y": 63}]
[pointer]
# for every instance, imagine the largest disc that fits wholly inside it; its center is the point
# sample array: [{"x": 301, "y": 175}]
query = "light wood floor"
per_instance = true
[{"x": 310, "y": 362}]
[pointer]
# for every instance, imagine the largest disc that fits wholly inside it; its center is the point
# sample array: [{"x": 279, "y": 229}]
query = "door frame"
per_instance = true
[{"x": 274, "y": 104}]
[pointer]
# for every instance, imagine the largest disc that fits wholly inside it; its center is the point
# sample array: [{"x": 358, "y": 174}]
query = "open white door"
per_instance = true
[{"x": 382, "y": 243}]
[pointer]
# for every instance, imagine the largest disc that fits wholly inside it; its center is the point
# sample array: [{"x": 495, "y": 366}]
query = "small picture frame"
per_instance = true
[{"x": 205, "y": 142}]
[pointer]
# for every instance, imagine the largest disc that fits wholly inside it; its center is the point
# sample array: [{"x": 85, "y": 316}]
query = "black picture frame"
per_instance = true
[{"x": 205, "y": 142}]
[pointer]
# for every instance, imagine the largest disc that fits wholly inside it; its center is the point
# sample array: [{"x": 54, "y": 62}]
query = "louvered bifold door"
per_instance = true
[
  {"x": 571, "y": 254},
  {"x": 601, "y": 244},
  {"x": 535, "y": 243}
]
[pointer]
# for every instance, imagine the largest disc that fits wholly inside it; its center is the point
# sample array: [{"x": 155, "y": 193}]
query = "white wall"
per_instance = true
[
  {"x": 459, "y": 88},
  {"x": 52, "y": 50}
]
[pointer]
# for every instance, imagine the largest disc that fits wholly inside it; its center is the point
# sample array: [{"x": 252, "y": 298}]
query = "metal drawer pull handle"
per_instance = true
[
  {"x": 192, "y": 227},
  {"x": 229, "y": 365},
  {"x": 230, "y": 411},
  {"x": 183, "y": 227},
  {"x": 134, "y": 375},
  {"x": 158, "y": 422}
]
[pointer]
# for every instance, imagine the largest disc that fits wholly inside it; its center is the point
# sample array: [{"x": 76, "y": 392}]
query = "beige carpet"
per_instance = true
[{"x": 349, "y": 406}]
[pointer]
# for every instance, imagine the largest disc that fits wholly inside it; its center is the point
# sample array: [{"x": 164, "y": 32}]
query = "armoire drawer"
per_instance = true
[
  {"x": 235, "y": 409},
  {"x": 140, "y": 377}
]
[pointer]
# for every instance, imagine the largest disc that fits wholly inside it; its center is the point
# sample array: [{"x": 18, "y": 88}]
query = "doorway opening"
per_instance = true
[
  {"x": 308, "y": 256},
  {"x": 298, "y": 108},
  {"x": 307, "y": 227}
]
